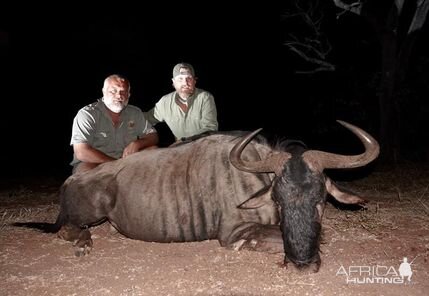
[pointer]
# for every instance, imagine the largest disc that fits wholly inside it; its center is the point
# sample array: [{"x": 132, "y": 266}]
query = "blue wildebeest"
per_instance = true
[{"x": 236, "y": 189}]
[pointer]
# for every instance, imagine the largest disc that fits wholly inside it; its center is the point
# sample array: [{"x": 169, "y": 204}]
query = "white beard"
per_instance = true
[{"x": 115, "y": 107}]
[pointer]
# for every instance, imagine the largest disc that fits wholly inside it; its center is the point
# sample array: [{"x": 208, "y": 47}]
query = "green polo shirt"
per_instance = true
[
  {"x": 200, "y": 117},
  {"x": 93, "y": 125}
]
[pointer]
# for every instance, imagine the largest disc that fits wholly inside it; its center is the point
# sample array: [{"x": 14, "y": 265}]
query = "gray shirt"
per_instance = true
[
  {"x": 201, "y": 114},
  {"x": 93, "y": 125}
]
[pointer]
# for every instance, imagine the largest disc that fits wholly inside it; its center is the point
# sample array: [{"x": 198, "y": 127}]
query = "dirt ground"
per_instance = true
[{"x": 361, "y": 250}]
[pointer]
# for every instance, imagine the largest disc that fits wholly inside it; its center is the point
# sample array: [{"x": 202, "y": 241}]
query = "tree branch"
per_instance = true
[
  {"x": 321, "y": 62},
  {"x": 420, "y": 16},
  {"x": 355, "y": 7},
  {"x": 312, "y": 46}
]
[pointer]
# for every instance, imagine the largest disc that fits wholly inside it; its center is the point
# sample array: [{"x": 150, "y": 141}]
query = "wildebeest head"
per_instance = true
[{"x": 300, "y": 189}]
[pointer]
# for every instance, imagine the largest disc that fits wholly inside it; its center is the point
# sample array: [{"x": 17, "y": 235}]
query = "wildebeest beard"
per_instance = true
[{"x": 300, "y": 219}]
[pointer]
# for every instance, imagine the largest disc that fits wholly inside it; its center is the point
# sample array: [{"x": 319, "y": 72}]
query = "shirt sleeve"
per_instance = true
[
  {"x": 147, "y": 127},
  {"x": 83, "y": 128},
  {"x": 150, "y": 116},
  {"x": 162, "y": 107},
  {"x": 209, "y": 115}
]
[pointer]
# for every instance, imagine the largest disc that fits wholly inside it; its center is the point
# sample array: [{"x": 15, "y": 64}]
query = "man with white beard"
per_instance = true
[{"x": 110, "y": 128}]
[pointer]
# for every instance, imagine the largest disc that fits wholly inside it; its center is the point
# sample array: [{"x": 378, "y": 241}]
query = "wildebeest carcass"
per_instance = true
[{"x": 236, "y": 189}]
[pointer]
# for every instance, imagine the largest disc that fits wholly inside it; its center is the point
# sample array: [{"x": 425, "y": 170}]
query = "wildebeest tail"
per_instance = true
[{"x": 42, "y": 226}]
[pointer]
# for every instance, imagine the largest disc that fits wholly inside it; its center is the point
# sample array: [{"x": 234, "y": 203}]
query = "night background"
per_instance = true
[{"x": 56, "y": 64}]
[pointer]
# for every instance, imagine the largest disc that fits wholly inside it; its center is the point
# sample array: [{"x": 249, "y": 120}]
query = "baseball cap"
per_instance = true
[{"x": 183, "y": 69}]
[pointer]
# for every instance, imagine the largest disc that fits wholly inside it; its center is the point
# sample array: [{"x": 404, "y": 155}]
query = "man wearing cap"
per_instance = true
[{"x": 188, "y": 111}]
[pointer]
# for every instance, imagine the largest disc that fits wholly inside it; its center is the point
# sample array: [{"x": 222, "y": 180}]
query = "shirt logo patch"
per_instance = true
[
  {"x": 131, "y": 124},
  {"x": 103, "y": 134}
]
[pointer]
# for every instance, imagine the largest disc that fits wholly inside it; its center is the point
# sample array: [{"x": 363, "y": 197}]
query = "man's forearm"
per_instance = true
[
  {"x": 86, "y": 153},
  {"x": 148, "y": 140}
]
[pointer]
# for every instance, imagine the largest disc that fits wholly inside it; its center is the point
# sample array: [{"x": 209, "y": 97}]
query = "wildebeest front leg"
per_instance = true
[
  {"x": 81, "y": 238},
  {"x": 256, "y": 237}
]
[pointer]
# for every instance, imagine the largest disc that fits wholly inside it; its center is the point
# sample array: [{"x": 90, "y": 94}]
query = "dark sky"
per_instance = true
[{"x": 60, "y": 59}]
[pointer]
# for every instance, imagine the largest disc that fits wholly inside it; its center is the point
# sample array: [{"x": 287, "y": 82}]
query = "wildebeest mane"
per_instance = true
[
  {"x": 235, "y": 133},
  {"x": 290, "y": 145}
]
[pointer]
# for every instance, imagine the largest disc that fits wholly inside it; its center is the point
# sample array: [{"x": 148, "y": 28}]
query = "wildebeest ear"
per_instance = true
[
  {"x": 259, "y": 199},
  {"x": 341, "y": 196}
]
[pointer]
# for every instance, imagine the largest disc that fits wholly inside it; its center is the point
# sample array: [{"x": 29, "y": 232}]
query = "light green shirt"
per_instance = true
[
  {"x": 200, "y": 117},
  {"x": 93, "y": 125}
]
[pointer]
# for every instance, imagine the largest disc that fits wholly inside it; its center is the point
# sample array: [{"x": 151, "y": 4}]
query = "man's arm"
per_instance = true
[
  {"x": 209, "y": 115},
  {"x": 150, "y": 116},
  {"x": 86, "y": 153},
  {"x": 148, "y": 140},
  {"x": 141, "y": 143}
]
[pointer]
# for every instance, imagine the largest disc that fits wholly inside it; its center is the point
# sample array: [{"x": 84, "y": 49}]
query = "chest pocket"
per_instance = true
[{"x": 102, "y": 139}]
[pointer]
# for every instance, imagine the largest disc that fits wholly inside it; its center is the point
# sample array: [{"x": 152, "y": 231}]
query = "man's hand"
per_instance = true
[
  {"x": 148, "y": 141},
  {"x": 132, "y": 148}
]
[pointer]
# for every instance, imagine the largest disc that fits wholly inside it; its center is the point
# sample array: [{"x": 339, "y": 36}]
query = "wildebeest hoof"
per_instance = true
[
  {"x": 113, "y": 230},
  {"x": 238, "y": 244},
  {"x": 82, "y": 248},
  {"x": 83, "y": 244},
  {"x": 253, "y": 243},
  {"x": 82, "y": 251},
  {"x": 69, "y": 233}
]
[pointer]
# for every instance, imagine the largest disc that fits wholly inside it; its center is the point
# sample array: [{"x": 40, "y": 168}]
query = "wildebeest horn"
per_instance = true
[
  {"x": 320, "y": 160},
  {"x": 273, "y": 163}
]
